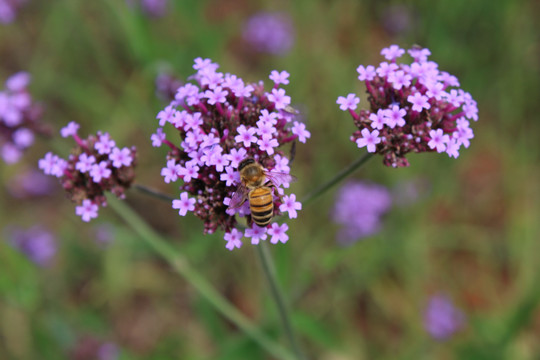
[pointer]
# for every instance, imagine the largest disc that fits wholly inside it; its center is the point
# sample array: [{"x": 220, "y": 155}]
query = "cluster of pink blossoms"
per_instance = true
[
  {"x": 19, "y": 118},
  {"x": 221, "y": 121},
  {"x": 96, "y": 165},
  {"x": 413, "y": 108}
]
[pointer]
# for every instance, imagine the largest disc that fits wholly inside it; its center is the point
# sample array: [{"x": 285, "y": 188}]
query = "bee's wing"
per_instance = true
[
  {"x": 279, "y": 178},
  {"x": 239, "y": 197}
]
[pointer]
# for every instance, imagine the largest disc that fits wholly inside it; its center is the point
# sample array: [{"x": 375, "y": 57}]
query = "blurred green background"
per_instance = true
[{"x": 473, "y": 234}]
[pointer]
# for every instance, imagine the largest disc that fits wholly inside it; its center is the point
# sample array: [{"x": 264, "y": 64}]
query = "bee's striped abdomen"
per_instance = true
[{"x": 261, "y": 204}]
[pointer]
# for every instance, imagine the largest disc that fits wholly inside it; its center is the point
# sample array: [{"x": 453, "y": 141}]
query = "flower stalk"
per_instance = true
[
  {"x": 336, "y": 179},
  {"x": 270, "y": 274},
  {"x": 180, "y": 264}
]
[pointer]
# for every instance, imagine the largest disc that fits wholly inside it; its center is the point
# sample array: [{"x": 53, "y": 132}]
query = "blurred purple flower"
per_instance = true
[
  {"x": 108, "y": 351},
  {"x": 8, "y": 10},
  {"x": 270, "y": 32},
  {"x": 19, "y": 117},
  {"x": 358, "y": 208},
  {"x": 398, "y": 19},
  {"x": 152, "y": 8},
  {"x": 104, "y": 234},
  {"x": 30, "y": 183},
  {"x": 441, "y": 318},
  {"x": 166, "y": 86},
  {"x": 36, "y": 243}
]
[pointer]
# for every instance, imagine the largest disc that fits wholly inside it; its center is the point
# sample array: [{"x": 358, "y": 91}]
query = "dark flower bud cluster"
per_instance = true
[
  {"x": 221, "y": 120},
  {"x": 96, "y": 165},
  {"x": 19, "y": 118},
  {"x": 413, "y": 108}
]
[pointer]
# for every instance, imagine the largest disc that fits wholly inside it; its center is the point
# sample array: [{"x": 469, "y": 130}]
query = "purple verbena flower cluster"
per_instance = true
[
  {"x": 269, "y": 32},
  {"x": 221, "y": 121},
  {"x": 19, "y": 118},
  {"x": 413, "y": 108},
  {"x": 38, "y": 244},
  {"x": 441, "y": 318},
  {"x": 96, "y": 165},
  {"x": 8, "y": 10},
  {"x": 359, "y": 208}
]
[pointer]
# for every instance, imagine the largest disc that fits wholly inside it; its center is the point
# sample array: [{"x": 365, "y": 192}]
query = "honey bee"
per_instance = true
[{"x": 256, "y": 186}]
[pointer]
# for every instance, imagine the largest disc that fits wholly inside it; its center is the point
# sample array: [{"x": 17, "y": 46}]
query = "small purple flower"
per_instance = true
[
  {"x": 269, "y": 32},
  {"x": 370, "y": 139},
  {"x": 419, "y": 102},
  {"x": 366, "y": 73},
  {"x": 279, "y": 77},
  {"x": 268, "y": 144},
  {"x": 87, "y": 210},
  {"x": 52, "y": 165},
  {"x": 279, "y": 98},
  {"x": 100, "y": 171},
  {"x": 378, "y": 120},
  {"x": 85, "y": 162},
  {"x": 184, "y": 205},
  {"x": 70, "y": 129},
  {"x": 290, "y": 205},
  {"x": 441, "y": 318},
  {"x": 452, "y": 148},
  {"x": 217, "y": 95},
  {"x": 235, "y": 156},
  {"x": 348, "y": 103},
  {"x": 256, "y": 233},
  {"x": 38, "y": 244},
  {"x": 158, "y": 137},
  {"x": 234, "y": 239},
  {"x": 299, "y": 129},
  {"x": 394, "y": 116},
  {"x": 392, "y": 52},
  {"x": 278, "y": 233},
  {"x": 246, "y": 135},
  {"x": 170, "y": 173},
  {"x": 438, "y": 140},
  {"x": 359, "y": 208},
  {"x": 105, "y": 144},
  {"x": 121, "y": 158}
]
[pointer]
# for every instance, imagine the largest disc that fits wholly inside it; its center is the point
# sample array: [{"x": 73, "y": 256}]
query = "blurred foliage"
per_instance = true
[{"x": 473, "y": 234}]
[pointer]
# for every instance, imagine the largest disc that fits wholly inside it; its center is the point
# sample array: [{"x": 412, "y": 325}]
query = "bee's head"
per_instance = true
[{"x": 247, "y": 161}]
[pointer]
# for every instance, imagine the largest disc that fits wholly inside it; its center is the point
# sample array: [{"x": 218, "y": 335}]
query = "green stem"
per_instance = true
[
  {"x": 342, "y": 175},
  {"x": 181, "y": 265},
  {"x": 152, "y": 192},
  {"x": 270, "y": 273}
]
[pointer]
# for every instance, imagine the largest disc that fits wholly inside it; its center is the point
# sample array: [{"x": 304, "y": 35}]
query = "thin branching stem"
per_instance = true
[
  {"x": 152, "y": 192},
  {"x": 340, "y": 176}
]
